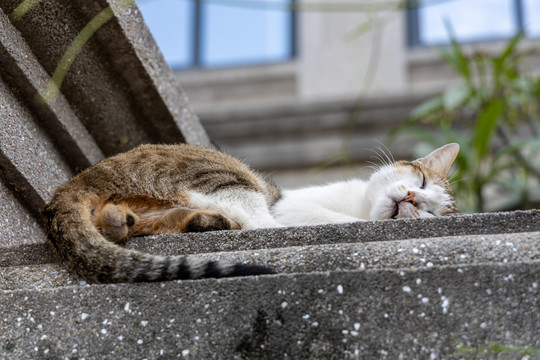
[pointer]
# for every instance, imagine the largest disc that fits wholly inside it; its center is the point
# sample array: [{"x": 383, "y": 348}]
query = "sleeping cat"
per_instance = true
[{"x": 158, "y": 189}]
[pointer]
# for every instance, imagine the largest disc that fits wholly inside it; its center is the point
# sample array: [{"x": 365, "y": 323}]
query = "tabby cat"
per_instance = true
[{"x": 159, "y": 189}]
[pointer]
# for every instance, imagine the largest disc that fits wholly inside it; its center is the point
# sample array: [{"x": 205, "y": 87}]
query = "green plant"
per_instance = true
[
  {"x": 494, "y": 116},
  {"x": 532, "y": 353}
]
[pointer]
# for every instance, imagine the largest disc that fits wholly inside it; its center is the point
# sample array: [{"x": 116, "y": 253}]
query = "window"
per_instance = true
[
  {"x": 195, "y": 33},
  {"x": 471, "y": 20}
]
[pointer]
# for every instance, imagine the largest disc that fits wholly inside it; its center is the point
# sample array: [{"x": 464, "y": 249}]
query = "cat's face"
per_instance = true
[{"x": 416, "y": 189}]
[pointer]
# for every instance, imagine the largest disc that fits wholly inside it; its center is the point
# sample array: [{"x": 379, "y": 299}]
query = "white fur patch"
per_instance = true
[{"x": 248, "y": 208}]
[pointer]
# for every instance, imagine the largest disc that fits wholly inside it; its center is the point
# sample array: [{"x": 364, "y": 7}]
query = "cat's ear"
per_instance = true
[{"x": 441, "y": 160}]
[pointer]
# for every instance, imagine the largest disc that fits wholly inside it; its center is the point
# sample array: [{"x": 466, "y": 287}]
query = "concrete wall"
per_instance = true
[{"x": 343, "y": 54}]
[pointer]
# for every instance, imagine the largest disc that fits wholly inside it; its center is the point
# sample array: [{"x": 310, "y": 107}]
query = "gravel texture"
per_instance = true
[
  {"x": 398, "y": 254},
  {"x": 22, "y": 68},
  {"x": 17, "y": 226},
  {"x": 371, "y": 314},
  {"x": 224, "y": 241}
]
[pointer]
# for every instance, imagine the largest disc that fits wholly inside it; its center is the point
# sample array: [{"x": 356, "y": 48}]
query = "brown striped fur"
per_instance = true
[{"x": 140, "y": 192}]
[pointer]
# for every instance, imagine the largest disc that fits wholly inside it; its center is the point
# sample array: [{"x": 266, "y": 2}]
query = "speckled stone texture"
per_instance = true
[
  {"x": 20, "y": 67},
  {"x": 122, "y": 94},
  {"x": 411, "y": 253},
  {"x": 384, "y": 314},
  {"x": 361, "y": 291},
  {"x": 17, "y": 225},
  {"x": 412, "y": 289},
  {"x": 28, "y": 158},
  {"x": 489, "y": 223}
]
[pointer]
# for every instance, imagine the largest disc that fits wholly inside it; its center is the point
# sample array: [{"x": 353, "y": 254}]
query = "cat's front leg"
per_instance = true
[{"x": 247, "y": 208}]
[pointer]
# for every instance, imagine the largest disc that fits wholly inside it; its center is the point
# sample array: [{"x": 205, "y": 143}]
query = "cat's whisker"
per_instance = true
[
  {"x": 452, "y": 182},
  {"x": 389, "y": 158},
  {"x": 379, "y": 157},
  {"x": 452, "y": 174},
  {"x": 374, "y": 166},
  {"x": 387, "y": 151},
  {"x": 380, "y": 161}
]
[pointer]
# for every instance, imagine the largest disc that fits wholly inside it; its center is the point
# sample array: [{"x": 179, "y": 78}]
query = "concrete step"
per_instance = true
[
  {"x": 420, "y": 313},
  {"x": 400, "y": 254},
  {"x": 408, "y": 289},
  {"x": 369, "y": 231}
]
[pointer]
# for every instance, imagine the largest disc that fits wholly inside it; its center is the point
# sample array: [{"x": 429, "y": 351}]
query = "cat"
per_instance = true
[
  {"x": 403, "y": 189},
  {"x": 160, "y": 189}
]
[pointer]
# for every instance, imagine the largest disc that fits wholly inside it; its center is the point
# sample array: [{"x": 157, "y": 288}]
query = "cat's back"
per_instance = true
[{"x": 161, "y": 170}]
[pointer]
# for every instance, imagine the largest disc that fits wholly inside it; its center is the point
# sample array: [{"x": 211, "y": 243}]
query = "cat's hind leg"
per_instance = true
[
  {"x": 180, "y": 219},
  {"x": 120, "y": 219},
  {"x": 115, "y": 221}
]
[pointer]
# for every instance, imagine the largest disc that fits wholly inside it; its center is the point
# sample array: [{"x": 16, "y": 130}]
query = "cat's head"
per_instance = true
[{"x": 414, "y": 189}]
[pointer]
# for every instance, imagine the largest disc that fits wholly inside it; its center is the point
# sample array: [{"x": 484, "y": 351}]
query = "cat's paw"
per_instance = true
[
  {"x": 115, "y": 221},
  {"x": 201, "y": 221}
]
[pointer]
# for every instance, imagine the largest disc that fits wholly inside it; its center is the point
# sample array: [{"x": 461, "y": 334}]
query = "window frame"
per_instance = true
[
  {"x": 413, "y": 25},
  {"x": 196, "y": 39}
]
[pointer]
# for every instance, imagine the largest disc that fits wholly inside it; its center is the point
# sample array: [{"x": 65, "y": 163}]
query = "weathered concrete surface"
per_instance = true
[
  {"x": 17, "y": 225},
  {"x": 489, "y": 223},
  {"x": 461, "y": 250},
  {"x": 366, "y": 290},
  {"x": 383, "y": 314},
  {"x": 28, "y": 158},
  {"x": 118, "y": 86},
  {"x": 135, "y": 55},
  {"x": 23, "y": 71},
  {"x": 369, "y": 231}
]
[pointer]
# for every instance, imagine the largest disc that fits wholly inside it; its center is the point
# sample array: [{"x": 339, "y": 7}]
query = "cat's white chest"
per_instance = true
[{"x": 340, "y": 202}]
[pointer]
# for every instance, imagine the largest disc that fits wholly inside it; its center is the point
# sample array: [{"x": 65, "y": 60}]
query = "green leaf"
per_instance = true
[
  {"x": 509, "y": 50},
  {"x": 455, "y": 97},
  {"x": 360, "y": 30},
  {"x": 426, "y": 108},
  {"x": 485, "y": 125},
  {"x": 456, "y": 58}
]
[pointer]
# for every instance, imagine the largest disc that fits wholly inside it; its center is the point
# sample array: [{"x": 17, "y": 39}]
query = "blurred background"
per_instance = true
[{"x": 311, "y": 91}]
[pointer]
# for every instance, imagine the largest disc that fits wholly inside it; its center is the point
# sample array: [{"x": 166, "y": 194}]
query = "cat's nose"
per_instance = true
[{"x": 410, "y": 198}]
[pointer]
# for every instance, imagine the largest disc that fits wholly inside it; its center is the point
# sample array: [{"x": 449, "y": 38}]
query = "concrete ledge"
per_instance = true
[
  {"x": 400, "y": 254},
  {"x": 382, "y": 314},
  {"x": 488, "y": 223},
  {"x": 369, "y": 231}
]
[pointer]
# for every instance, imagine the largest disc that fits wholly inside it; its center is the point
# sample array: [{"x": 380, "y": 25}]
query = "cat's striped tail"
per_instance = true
[{"x": 83, "y": 250}]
